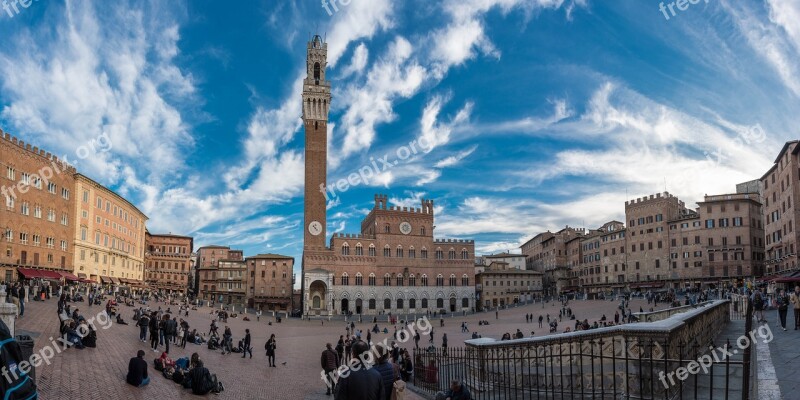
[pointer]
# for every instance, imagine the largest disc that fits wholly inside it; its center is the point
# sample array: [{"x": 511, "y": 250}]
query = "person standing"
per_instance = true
[
  {"x": 270, "y": 347},
  {"x": 444, "y": 344},
  {"x": 170, "y": 327},
  {"x": 796, "y": 303},
  {"x": 258, "y": 315},
  {"x": 329, "y": 361},
  {"x": 783, "y": 307},
  {"x": 364, "y": 383},
  {"x": 22, "y": 293},
  {"x": 154, "y": 331},
  {"x": 247, "y": 348},
  {"x": 143, "y": 323},
  {"x": 227, "y": 339},
  {"x": 416, "y": 340}
]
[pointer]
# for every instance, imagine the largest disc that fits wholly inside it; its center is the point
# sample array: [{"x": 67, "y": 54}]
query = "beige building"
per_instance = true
[
  {"x": 547, "y": 253},
  {"x": 500, "y": 284},
  {"x": 603, "y": 259},
  {"x": 516, "y": 261},
  {"x": 394, "y": 264},
  {"x": 109, "y": 234},
  {"x": 37, "y": 216},
  {"x": 269, "y": 282},
  {"x": 168, "y": 262}
]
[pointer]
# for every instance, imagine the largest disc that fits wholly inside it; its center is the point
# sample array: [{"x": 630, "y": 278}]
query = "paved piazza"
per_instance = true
[{"x": 100, "y": 372}]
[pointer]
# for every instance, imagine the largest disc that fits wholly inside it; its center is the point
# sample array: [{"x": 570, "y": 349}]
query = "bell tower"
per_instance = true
[{"x": 316, "y": 103}]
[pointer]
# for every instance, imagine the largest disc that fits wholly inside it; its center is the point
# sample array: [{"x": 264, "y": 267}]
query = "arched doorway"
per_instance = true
[
  {"x": 317, "y": 292},
  {"x": 359, "y": 309},
  {"x": 345, "y": 306}
]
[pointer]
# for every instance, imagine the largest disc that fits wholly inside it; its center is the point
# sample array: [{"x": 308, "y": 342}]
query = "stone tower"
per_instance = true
[{"x": 316, "y": 103}]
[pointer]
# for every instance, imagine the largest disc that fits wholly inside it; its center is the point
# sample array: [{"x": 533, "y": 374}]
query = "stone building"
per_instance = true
[
  {"x": 501, "y": 284},
  {"x": 516, "y": 261},
  {"x": 269, "y": 282},
  {"x": 547, "y": 253},
  {"x": 168, "y": 262},
  {"x": 603, "y": 261},
  {"x": 109, "y": 235},
  {"x": 394, "y": 264},
  {"x": 37, "y": 217}
]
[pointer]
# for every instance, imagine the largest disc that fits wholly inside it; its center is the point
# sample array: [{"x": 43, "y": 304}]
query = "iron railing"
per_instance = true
[{"x": 634, "y": 361}]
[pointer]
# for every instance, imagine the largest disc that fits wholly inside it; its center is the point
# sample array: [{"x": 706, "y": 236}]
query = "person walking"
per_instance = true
[
  {"x": 783, "y": 307},
  {"x": 270, "y": 347},
  {"x": 227, "y": 340},
  {"x": 170, "y": 328},
  {"x": 416, "y": 340},
  {"x": 444, "y": 344},
  {"x": 247, "y": 348},
  {"x": 329, "y": 361},
  {"x": 795, "y": 299}
]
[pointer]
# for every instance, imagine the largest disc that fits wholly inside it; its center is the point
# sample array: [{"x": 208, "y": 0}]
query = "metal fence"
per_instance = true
[{"x": 635, "y": 361}]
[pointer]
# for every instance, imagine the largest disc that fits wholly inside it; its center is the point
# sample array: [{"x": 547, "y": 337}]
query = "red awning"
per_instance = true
[
  {"x": 50, "y": 275},
  {"x": 29, "y": 273},
  {"x": 69, "y": 276}
]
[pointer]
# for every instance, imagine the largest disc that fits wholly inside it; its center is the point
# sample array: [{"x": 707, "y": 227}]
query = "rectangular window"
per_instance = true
[{"x": 709, "y": 223}]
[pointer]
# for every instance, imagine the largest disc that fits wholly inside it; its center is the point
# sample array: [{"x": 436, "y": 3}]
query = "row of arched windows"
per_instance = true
[
  {"x": 400, "y": 253},
  {"x": 400, "y": 280}
]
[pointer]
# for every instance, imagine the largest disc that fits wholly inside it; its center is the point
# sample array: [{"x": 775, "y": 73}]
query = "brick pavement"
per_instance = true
[{"x": 100, "y": 372}]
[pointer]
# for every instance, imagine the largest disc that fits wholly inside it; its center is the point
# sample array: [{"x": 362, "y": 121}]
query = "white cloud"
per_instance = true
[
  {"x": 357, "y": 63},
  {"x": 395, "y": 75},
  {"x": 359, "y": 20},
  {"x": 455, "y": 159},
  {"x": 434, "y": 133}
]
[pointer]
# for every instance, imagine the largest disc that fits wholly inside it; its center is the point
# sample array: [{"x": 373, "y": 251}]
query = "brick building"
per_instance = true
[
  {"x": 780, "y": 187},
  {"x": 547, "y": 253},
  {"x": 394, "y": 265},
  {"x": 37, "y": 217},
  {"x": 209, "y": 273},
  {"x": 517, "y": 261},
  {"x": 109, "y": 236},
  {"x": 168, "y": 262},
  {"x": 269, "y": 282}
]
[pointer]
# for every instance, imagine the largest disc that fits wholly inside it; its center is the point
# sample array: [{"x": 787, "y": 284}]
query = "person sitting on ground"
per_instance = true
[
  {"x": 121, "y": 321},
  {"x": 137, "y": 370},
  {"x": 202, "y": 382},
  {"x": 457, "y": 392},
  {"x": 90, "y": 334},
  {"x": 166, "y": 361},
  {"x": 72, "y": 335}
]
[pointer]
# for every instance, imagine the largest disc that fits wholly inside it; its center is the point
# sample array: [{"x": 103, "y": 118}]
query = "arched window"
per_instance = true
[
  {"x": 412, "y": 253},
  {"x": 422, "y": 231},
  {"x": 424, "y": 280},
  {"x": 464, "y": 254},
  {"x": 345, "y": 279},
  {"x": 465, "y": 280},
  {"x": 387, "y": 280},
  {"x": 412, "y": 280},
  {"x": 345, "y": 249},
  {"x": 359, "y": 249},
  {"x": 439, "y": 254},
  {"x": 317, "y": 73},
  {"x": 387, "y": 229},
  {"x": 412, "y": 303},
  {"x": 423, "y": 253},
  {"x": 439, "y": 280},
  {"x": 439, "y": 303},
  {"x": 465, "y": 302},
  {"x": 451, "y": 254},
  {"x": 372, "y": 250},
  {"x": 399, "y": 252},
  {"x": 371, "y": 304},
  {"x": 387, "y": 251},
  {"x": 399, "y": 304},
  {"x": 359, "y": 279},
  {"x": 424, "y": 303},
  {"x": 387, "y": 304},
  {"x": 399, "y": 280},
  {"x": 372, "y": 279},
  {"x": 452, "y": 280},
  {"x": 316, "y": 302}
]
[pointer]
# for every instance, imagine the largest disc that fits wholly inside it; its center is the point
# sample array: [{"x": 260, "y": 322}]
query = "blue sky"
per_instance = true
[{"x": 540, "y": 113}]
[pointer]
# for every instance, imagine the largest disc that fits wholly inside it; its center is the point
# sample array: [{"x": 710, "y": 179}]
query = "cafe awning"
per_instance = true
[
  {"x": 81, "y": 275},
  {"x": 69, "y": 276},
  {"x": 115, "y": 280},
  {"x": 104, "y": 279},
  {"x": 50, "y": 275},
  {"x": 28, "y": 273}
]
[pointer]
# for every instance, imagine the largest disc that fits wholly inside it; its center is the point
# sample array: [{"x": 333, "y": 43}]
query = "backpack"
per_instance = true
[
  {"x": 159, "y": 366},
  {"x": 758, "y": 302},
  {"x": 177, "y": 377},
  {"x": 168, "y": 372},
  {"x": 19, "y": 386}
]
